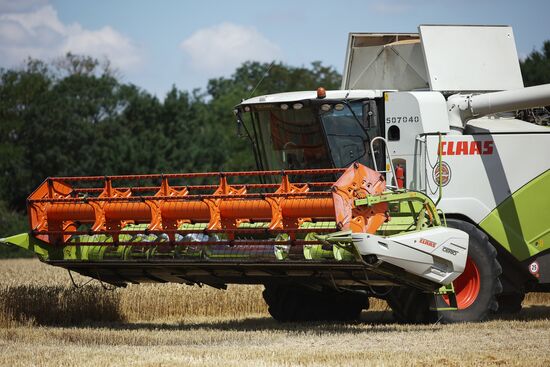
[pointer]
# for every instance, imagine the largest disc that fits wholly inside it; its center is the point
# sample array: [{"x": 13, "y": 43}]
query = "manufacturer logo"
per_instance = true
[
  {"x": 467, "y": 147},
  {"x": 427, "y": 242},
  {"x": 449, "y": 251},
  {"x": 445, "y": 174},
  {"x": 534, "y": 268}
]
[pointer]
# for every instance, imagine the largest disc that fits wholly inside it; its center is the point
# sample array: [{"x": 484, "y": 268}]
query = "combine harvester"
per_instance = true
[{"x": 342, "y": 205}]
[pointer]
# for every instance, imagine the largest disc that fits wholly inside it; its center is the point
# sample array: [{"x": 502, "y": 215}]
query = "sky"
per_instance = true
[{"x": 158, "y": 44}]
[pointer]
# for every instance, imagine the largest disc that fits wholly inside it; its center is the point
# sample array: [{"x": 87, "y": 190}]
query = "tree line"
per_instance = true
[{"x": 75, "y": 116}]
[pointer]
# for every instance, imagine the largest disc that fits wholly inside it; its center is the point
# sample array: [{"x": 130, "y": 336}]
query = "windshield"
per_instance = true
[
  {"x": 346, "y": 138},
  {"x": 312, "y": 135},
  {"x": 291, "y": 139}
]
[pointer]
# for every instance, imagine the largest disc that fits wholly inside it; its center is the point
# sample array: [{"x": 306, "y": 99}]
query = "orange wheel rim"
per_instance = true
[{"x": 466, "y": 286}]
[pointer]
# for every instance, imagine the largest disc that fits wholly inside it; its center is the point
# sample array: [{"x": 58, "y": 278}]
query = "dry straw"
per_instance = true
[{"x": 35, "y": 293}]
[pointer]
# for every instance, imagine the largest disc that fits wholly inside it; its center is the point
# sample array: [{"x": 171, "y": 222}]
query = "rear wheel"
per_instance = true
[
  {"x": 475, "y": 289},
  {"x": 290, "y": 303}
]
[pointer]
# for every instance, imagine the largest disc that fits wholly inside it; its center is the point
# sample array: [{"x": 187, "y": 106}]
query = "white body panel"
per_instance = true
[
  {"x": 413, "y": 113},
  {"x": 438, "y": 254},
  {"x": 478, "y": 183},
  {"x": 503, "y": 125},
  {"x": 484, "y": 169},
  {"x": 471, "y": 58}
]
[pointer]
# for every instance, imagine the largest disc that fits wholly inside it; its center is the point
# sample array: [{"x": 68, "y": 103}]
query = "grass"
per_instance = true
[{"x": 44, "y": 321}]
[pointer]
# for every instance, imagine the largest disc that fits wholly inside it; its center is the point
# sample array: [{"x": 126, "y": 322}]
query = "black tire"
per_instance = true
[
  {"x": 412, "y": 306},
  {"x": 510, "y": 303},
  {"x": 294, "y": 304}
]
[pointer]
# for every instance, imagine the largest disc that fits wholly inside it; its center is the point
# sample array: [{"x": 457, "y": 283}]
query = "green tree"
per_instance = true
[
  {"x": 536, "y": 67},
  {"x": 20, "y": 92},
  {"x": 11, "y": 223}
]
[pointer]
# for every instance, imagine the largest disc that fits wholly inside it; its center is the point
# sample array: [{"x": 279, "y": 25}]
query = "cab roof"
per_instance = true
[{"x": 310, "y": 95}]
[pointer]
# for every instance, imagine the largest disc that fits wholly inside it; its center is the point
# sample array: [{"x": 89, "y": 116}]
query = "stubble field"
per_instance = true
[{"x": 45, "y": 321}]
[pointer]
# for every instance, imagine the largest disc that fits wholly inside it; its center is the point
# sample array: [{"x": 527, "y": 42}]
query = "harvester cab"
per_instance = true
[
  {"x": 342, "y": 206},
  {"x": 318, "y": 129}
]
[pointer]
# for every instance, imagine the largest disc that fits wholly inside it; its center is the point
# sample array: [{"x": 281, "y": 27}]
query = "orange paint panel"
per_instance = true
[
  {"x": 139, "y": 212},
  {"x": 191, "y": 210},
  {"x": 79, "y": 212},
  {"x": 251, "y": 209},
  {"x": 306, "y": 207}
]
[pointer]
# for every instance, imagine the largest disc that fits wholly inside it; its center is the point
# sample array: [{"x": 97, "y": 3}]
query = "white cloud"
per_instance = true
[
  {"x": 221, "y": 48},
  {"x": 39, "y": 33},
  {"x": 106, "y": 41}
]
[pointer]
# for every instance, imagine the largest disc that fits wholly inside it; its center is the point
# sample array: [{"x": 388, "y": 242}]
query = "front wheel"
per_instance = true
[
  {"x": 475, "y": 289},
  {"x": 287, "y": 303}
]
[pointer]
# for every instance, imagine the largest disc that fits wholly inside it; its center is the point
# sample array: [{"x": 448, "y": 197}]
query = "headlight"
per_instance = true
[{"x": 325, "y": 107}]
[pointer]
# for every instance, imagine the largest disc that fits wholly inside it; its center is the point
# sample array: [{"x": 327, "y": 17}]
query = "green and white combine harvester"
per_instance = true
[{"x": 343, "y": 205}]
